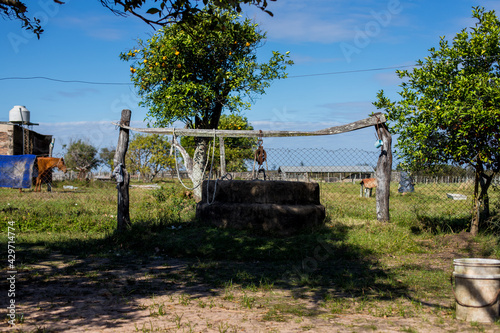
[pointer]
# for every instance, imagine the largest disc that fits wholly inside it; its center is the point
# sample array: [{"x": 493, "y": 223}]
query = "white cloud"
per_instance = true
[
  {"x": 303, "y": 126},
  {"x": 302, "y": 59},
  {"x": 328, "y": 21},
  {"x": 100, "y": 133},
  {"x": 78, "y": 92},
  {"x": 103, "y": 27},
  {"x": 350, "y": 111},
  {"x": 388, "y": 78}
]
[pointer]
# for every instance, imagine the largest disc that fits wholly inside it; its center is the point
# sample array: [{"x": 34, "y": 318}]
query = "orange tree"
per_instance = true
[
  {"x": 449, "y": 110},
  {"x": 148, "y": 154},
  {"x": 239, "y": 151},
  {"x": 192, "y": 75}
]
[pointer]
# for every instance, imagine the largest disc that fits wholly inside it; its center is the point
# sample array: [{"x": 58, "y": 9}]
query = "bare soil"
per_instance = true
[{"x": 120, "y": 293}]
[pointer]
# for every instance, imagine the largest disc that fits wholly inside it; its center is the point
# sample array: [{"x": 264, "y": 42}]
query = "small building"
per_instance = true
[
  {"x": 18, "y": 140},
  {"x": 326, "y": 173},
  {"x": 16, "y": 137}
]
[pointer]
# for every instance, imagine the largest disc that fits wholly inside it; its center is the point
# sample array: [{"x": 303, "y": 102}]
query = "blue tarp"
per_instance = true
[
  {"x": 16, "y": 170},
  {"x": 406, "y": 183}
]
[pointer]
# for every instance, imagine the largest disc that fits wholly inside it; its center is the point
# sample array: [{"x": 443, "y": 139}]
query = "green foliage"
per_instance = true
[
  {"x": 107, "y": 156},
  {"x": 192, "y": 75},
  {"x": 149, "y": 154},
  {"x": 442, "y": 170},
  {"x": 449, "y": 111},
  {"x": 16, "y": 10},
  {"x": 178, "y": 11},
  {"x": 449, "y": 108},
  {"x": 81, "y": 156},
  {"x": 167, "y": 11},
  {"x": 238, "y": 150}
]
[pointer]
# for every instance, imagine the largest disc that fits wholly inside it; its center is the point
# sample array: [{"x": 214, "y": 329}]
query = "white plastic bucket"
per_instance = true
[{"x": 477, "y": 287}]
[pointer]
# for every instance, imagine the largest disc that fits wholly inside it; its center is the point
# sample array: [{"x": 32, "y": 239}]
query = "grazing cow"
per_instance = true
[
  {"x": 45, "y": 166},
  {"x": 368, "y": 184}
]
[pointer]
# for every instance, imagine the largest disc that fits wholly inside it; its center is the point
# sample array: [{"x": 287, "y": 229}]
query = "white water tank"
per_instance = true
[{"x": 19, "y": 114}]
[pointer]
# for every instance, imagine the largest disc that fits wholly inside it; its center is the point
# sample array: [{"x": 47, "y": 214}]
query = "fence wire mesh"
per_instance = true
[
  {"x": 445, "y": 196},
  {"x": 438, "y": 200}
]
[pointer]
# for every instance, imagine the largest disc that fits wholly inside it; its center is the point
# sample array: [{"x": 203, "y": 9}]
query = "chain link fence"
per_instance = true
[{"x": 439, "y": 201}]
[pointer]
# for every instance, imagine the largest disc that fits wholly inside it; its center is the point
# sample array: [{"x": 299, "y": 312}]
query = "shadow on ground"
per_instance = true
[{"x": 99, "y": 281}]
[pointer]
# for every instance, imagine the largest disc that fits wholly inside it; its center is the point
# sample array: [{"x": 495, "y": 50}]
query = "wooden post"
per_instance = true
[
  {"x": 123, "y": 214},
  {"x": 222, "y": 157},
  {"x": 383, "y": 173}
]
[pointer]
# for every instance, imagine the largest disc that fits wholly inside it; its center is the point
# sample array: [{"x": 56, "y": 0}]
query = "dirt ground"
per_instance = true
[{"x": 123, "y": 294}]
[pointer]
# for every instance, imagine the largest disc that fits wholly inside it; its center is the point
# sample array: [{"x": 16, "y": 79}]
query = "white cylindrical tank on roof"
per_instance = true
[{"x": 19, "y": 114}]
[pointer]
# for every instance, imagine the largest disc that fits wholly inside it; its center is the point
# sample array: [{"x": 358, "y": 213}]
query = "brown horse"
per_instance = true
[
  {"x": 368, "y": 184},
  {"x": 45, "y": 166}
]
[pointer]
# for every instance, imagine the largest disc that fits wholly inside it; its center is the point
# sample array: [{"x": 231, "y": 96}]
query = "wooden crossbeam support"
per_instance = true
[{"x": 376, "y": 119}]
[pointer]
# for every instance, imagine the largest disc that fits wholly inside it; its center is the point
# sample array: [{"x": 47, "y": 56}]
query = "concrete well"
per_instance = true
[{"x": 275, "y": 207}]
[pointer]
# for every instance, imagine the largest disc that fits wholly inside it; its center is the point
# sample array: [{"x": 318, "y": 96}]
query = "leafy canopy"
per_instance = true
[
  {"x": 162, "y": 12},
  {"x": 191, "y": 75},
  {"x": 449, "y": 111},
  {"x": 107, "y": 156},
  {"x": 238, "y": 150},
  {"x": 149, "y": 154},
  {"x": 166, "y": 12},
  {"x": 81, "y": 156}
]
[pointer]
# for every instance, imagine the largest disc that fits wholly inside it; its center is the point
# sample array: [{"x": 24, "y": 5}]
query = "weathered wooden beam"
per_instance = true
[
  {"x": 123, "y": 212},
  {"x": 376, "y": 119}
]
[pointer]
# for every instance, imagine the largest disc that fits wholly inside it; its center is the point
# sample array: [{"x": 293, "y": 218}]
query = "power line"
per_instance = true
[
  {"x": 292, "y": 76},
  {"x": 353, "y": 71},
  {"x": 63, "y": 81},
  {"x": 123, "y": 83}
]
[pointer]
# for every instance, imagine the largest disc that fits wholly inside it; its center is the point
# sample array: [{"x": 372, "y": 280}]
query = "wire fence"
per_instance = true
[
  {"x": 444, "y": 197},
  {"x": 437, "y": 200}
]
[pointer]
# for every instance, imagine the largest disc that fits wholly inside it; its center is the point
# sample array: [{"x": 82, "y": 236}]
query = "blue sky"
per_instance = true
[{"x": 83, "y": 40}]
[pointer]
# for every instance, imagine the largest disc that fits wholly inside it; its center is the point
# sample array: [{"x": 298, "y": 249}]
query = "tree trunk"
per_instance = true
[
  {"x": 383, "y": 173},
  {"x": 195, "y": 166},
  {"x": 483, "y": 196},
  {"x": 199, "y": 162},
  {"x": 474, "y": 227}
]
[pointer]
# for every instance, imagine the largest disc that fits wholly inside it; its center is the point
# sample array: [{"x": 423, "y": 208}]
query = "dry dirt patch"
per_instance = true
[{"x": 122, "y": 293}]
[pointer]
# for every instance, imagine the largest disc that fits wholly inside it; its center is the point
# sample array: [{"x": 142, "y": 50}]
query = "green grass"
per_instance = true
[
  {"x": 354, "y": 264},
  {"x": 426, "y": 209}
]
